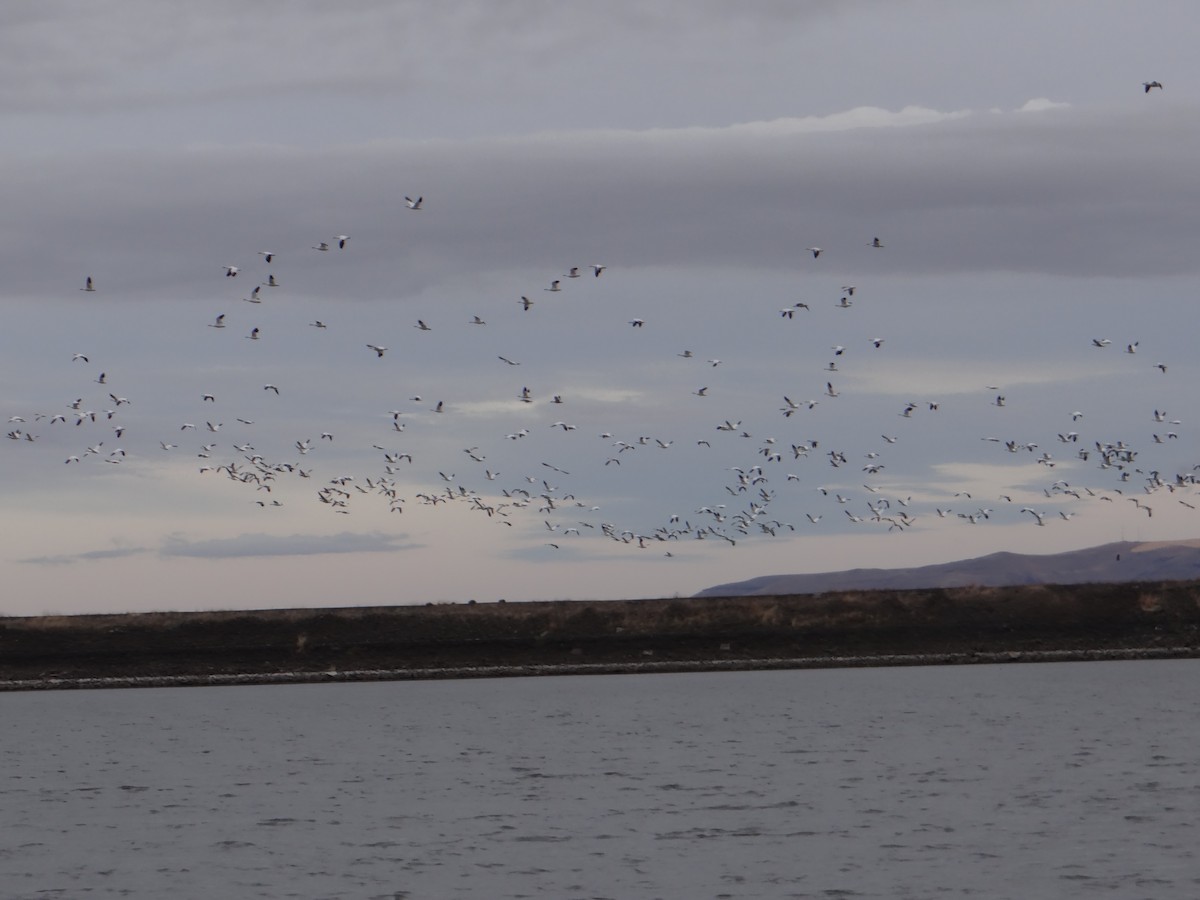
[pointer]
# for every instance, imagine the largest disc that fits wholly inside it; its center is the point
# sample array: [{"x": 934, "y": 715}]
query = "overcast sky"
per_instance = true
[{"x": 1033, "y": 296}]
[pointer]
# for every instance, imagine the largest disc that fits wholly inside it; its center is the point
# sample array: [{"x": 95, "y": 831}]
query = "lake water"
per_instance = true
[{"x": 1066, "y": 780}]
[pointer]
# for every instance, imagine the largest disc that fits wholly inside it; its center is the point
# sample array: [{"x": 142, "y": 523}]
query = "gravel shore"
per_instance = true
[{"x": 633, "y": 668}]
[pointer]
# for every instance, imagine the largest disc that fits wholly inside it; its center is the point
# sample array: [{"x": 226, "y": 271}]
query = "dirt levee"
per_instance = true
[{"x": 939, "y": 625}]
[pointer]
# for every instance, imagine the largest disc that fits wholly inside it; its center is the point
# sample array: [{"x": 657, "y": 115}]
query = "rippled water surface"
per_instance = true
[{"x": 1024, "y": 781}]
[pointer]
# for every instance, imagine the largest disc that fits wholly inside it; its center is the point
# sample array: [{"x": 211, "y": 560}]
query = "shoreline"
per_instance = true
[{"x": 627, "y": 668}]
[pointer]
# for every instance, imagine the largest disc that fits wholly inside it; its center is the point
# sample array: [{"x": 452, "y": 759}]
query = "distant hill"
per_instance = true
[{"x": 1108, "y": 563}]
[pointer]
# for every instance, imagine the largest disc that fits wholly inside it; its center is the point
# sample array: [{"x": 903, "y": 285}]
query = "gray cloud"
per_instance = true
[
  {"x": 69, "y": 558},
  {"x": 260, "y": 545},
  {"x": 989, "y": 191},
  {"x": 70, "y": 56}
]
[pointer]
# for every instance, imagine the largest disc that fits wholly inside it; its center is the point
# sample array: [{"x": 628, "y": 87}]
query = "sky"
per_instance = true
[{"x": 710, "y": 407}]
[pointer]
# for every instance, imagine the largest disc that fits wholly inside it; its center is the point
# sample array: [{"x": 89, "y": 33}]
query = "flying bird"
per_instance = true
[
  {"x": 1147, "y": 85},
  {"x": 89, "y": 286},
  {"x": 815, "y": 251},
  {"x": 341, "y": 239},
  {"x": 413, "y": 204},
  {"x": 379, "y": 351}
]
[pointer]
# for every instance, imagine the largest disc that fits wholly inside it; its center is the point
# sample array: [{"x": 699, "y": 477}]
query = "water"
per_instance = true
[{"x": 1023, "y": 781}]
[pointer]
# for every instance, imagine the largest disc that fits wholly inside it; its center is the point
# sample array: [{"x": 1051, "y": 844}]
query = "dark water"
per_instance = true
[{"x": 1072, "y": 780}]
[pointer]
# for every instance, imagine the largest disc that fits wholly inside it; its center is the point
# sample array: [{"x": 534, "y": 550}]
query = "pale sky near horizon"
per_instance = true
[{"x": 1035, "y": 204}]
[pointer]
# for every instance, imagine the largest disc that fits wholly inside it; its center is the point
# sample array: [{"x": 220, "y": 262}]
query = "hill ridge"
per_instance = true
[{"x": 1120, "y": 561}]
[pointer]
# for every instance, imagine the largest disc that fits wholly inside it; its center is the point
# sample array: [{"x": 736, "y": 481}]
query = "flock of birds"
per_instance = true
[{"x": 780, "y": 483}]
